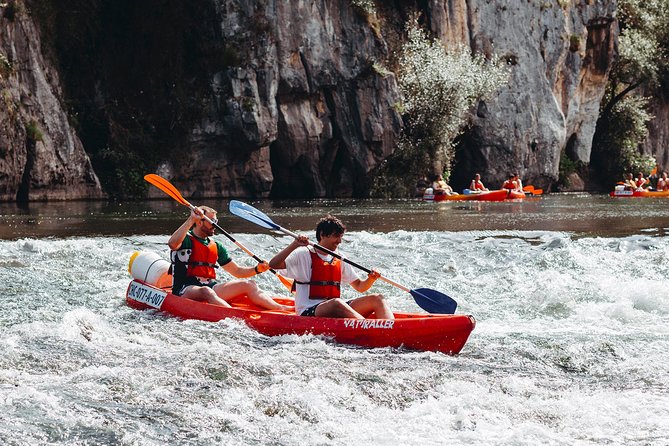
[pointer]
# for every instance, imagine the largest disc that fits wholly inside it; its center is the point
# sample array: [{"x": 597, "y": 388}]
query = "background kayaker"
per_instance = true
[
  {"x": 641, "y": 182},
  {"x": 513, "y": 183},
  {"x": 662, "y": 183},
  {"x": 421, "y": 185},
  {"x": 318, "y": 277},
  {"x": 629, "y": 183},
  {"x": 476, "y": 184},
  {"x": 439, "y": 186},
  {"x": 195, "y": 256}
]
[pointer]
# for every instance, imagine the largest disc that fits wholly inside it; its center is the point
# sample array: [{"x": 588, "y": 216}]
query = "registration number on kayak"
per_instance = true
[
  {"x": 147, "y": 295},
  {"x": 369, "y": 323}
]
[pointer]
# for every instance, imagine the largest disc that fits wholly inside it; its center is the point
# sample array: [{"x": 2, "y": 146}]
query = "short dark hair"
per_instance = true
[{"x": 329, "y": 225}]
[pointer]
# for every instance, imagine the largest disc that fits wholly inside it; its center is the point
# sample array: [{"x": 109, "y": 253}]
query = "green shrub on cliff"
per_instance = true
[
  {"x": 5, "y": 66},
  {"x": 439, "y": 85},
  {"x": 641, "y": 70},
  {"x": 625, "y": 128},
  {"x": 33, "y": 132}
]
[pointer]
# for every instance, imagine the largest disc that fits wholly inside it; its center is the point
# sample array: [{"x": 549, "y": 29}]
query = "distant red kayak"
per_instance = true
[
  {"x": 639, "y": 194},
  {"x": 493, "y": 195},
  {"x": 446, "y": 333}
]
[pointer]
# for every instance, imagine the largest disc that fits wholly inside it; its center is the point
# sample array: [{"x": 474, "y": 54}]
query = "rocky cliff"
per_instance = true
[
  {"x": 560, "y": 53},
  {"x": 299, "y": 104},
  {"x": 41, "y": 157},
  {"x": 305, "y": 114}
]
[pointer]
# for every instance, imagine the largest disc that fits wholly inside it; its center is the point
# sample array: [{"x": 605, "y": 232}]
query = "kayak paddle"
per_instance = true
[
  {"x": 167, "y": 187},
  {"x": 431, "y": 301},
  {"x": 530, "y": 189}
]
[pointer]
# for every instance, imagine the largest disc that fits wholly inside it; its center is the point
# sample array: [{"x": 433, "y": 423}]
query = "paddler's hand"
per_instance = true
[
  {"x": 196, "y": 214},
  {"x": 301, "y": 240},
  {"x": 373, "y": 275},
  {"x": 261, "y": 267}
]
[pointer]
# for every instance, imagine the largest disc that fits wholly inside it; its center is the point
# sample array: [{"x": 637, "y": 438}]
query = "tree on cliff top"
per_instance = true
[{"x": 439, "y": 85}]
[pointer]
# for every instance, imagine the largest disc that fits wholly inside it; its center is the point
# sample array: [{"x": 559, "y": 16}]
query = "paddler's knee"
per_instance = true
[
  {"x": 248, "y": 286},
  {"x": 252, "y": 285},
  {"x": 376, "y": 298}
]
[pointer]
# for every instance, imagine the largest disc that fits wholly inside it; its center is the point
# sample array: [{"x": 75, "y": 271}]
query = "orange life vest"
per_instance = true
[
  {"x": 325, "y": 278},
  {"x": 203, "y": 258}
]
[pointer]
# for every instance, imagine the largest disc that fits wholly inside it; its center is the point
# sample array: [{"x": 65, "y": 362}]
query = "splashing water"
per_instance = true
[{"x": 571, "y": 347}]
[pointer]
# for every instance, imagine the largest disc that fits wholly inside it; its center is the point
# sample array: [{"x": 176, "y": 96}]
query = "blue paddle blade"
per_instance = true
[
  {"x": 248, "y": 212},
  {"x": 433, "y": 301}
]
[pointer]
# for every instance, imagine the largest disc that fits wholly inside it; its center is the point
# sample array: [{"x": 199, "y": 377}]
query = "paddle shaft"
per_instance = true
[
  {"x": 430, "y": 300},
  {"x": 343, "y": 259}
]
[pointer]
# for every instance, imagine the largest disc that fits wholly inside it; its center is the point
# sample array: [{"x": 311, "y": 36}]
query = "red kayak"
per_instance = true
[
  {"x": 492, "y": 195},
  {"x": 639, "y": 193},
  {"x": 446, "y": 333}
]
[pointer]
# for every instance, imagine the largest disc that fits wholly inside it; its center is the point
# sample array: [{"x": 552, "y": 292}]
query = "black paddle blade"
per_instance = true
[{"x": 433, "y": 301}]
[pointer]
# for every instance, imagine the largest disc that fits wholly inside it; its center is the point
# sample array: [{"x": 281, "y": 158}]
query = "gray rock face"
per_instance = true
[
  {"x": 303, "y": 109},
  {"x": 41, "y": 157},
  {"x": 560, "y": 58},
  {"x": 311, "y": 95},
  {"x": 306, "y": 116}
]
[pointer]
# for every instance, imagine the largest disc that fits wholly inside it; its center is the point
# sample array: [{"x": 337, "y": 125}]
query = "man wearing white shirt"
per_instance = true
[{"x": 318, "y": 277}]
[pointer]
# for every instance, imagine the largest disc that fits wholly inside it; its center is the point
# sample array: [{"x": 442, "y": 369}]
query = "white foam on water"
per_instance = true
[{"x": 571, "y": 347}]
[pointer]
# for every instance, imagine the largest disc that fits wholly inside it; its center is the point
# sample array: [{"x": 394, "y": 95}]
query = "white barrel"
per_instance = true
[{"x": 151, "y": 268}]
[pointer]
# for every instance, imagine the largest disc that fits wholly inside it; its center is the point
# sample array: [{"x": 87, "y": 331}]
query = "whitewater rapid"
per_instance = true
[{"x": 571, "y": 347}]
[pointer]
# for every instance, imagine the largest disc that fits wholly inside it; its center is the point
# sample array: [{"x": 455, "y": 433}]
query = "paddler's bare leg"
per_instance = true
[
  {"x": 372, "y": 303},
  {"x": 204, "y": 294},
  {"x": 234, "y": 288},
  {"x": 336, "y": 308}
]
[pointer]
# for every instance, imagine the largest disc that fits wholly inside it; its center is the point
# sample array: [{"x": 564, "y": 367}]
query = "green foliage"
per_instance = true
[
  {"x": 5, "y": 66},
  {"x": 247, "y": 103},
  {"x": 439, "y": 86},
  {"x": 396, "y": 177},
  {"x": 230, "y": 57},
  {"x": 125, "y": 173},
  {"x": 380, "y": 69},
  {"x": 8, "y": 103},
  {"x": 11, "y": 9},
  {"x": 644, "y": 43},
  {"x": 642, "y": 65},
  {"x": 367, "y": 9},
  {"x": 567, "y": 167},
  {"x": 626, "y": 127},
  {"x": 545, "y": 5},
  {"x": 574, "y": 43},
  {"x": 33, "y": 132}
]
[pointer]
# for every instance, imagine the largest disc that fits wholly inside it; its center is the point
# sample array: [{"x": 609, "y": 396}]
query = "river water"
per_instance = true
[{"x": 571, "y": 346}]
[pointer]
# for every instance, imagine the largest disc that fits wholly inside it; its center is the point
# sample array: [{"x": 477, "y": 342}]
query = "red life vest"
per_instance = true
[
  {"x": 478, "y": 185},
  {"x": 203, "y": 258},
  {"x": 509, "y": 184},
  {"x": 325, "y": 278}
]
